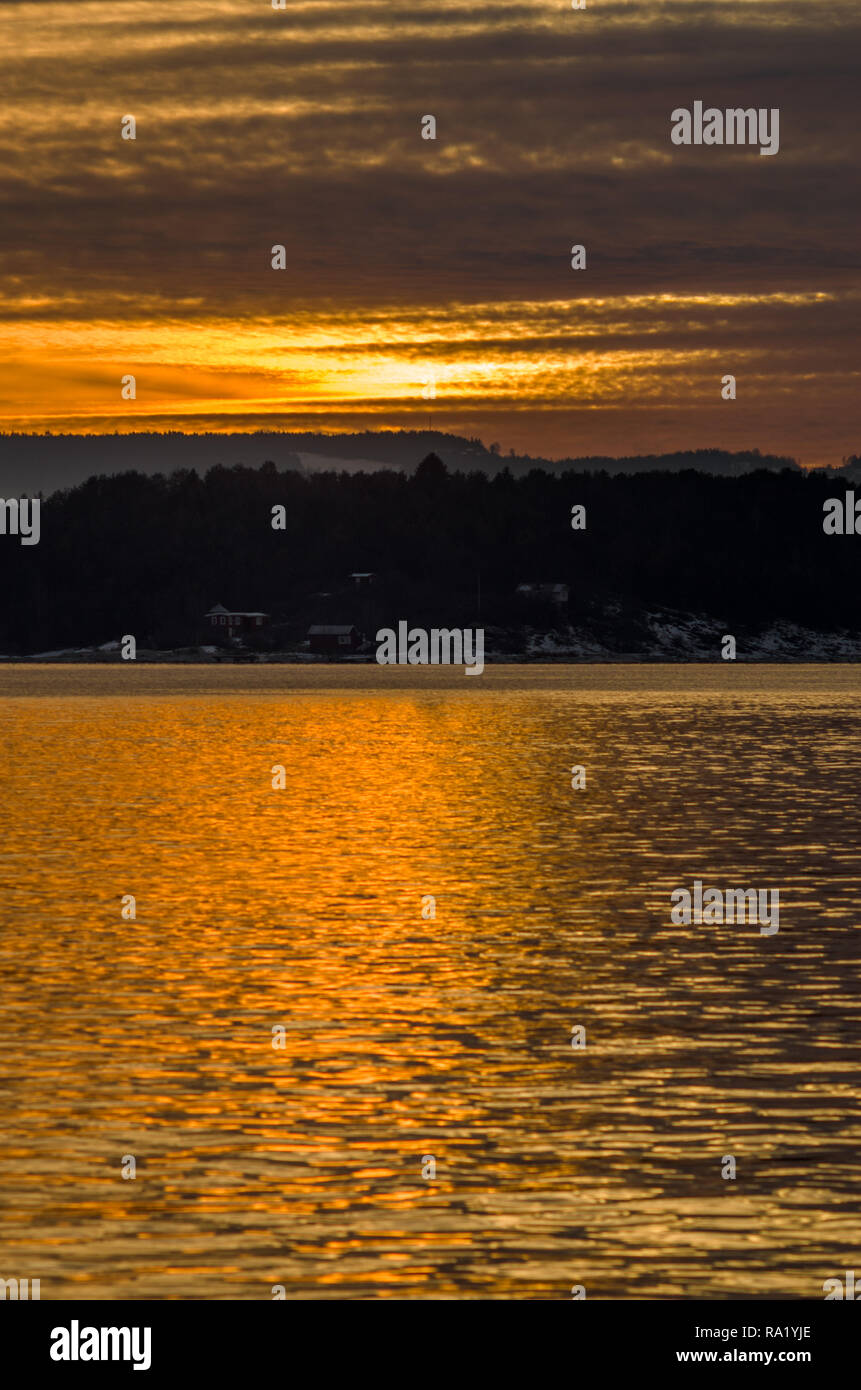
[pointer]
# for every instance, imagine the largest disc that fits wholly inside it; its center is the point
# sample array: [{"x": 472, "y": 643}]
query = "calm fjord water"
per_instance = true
[{"x": 405, "y": 1037}]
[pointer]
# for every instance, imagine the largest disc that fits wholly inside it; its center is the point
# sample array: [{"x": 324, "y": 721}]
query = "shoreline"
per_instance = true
[{"x": 174, "y": 658}]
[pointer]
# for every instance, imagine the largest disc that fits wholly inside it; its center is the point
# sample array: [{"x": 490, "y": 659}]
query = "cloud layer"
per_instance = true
[{"x": 411, "y": 260}]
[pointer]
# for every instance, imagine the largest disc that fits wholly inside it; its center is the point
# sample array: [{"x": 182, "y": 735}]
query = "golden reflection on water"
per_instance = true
[{"x": 404, "y": 1037}]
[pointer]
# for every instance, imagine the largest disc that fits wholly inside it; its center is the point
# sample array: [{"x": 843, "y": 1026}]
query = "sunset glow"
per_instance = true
[{"x": 410, "y": 260}]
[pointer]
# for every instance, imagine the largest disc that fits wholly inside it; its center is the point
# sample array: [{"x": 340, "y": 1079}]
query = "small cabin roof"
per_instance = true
[
  {"x": 331, "y": 629},
  {"x": 219, "y": 610}
]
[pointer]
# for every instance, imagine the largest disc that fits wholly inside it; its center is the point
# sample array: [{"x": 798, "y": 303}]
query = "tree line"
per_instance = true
[{"x": 149, "y": 554}]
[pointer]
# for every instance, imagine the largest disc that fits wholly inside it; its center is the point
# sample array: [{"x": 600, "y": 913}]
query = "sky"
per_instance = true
[{"x": 414, "y": 265}]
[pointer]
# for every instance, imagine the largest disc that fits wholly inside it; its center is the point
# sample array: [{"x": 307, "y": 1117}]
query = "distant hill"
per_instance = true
[{"x": 32, "y": 463}]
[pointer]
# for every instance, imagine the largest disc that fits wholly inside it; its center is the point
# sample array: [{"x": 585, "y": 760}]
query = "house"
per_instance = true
[
  {"x": 363, "y": 578},
  {"x": 231, "y": 624},
  {"x": 547, "y": 593},
  {"x": 333, "y": 637}
]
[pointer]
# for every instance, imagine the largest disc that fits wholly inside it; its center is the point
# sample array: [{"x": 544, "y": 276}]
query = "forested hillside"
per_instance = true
[{"x": 150, "y": 554}]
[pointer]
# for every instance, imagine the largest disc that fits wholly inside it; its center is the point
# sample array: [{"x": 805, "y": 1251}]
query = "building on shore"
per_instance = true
[
  {"x": 232, "y": 624},
  {"x": 546, "y": 593},
  {"x": 338, "y": 638}
]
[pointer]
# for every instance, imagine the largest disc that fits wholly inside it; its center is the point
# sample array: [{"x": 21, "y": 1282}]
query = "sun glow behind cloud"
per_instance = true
[
  {"x": 589, "y": 351},
  {"x": 410, "y": 259}
]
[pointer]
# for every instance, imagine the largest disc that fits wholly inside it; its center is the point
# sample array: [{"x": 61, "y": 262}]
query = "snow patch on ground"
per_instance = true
[
  {"x": 667, "y": 635},
  {"x": 576, "y": 643},
  {"x": 51, "y": 656}
]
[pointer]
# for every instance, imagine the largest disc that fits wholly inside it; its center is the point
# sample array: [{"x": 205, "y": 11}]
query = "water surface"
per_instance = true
[{"x": 407, "y": 1038}]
